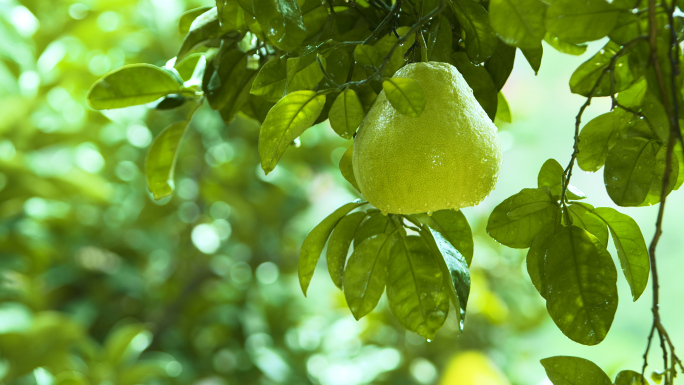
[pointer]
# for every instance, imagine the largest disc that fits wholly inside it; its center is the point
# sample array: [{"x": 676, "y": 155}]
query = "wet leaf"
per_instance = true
[
  {"x": 480, "y": 39},
  {"x": 131, "y": 85},
  {"x": 375, "y": 224},
  {"x": 564, "y": 370},
  {"x": 454, "y": 227},
  {"x": 315, "y": 242},
  {"x": 536, "y": 256},
  {"x": 346, "y": 113},
  {"x": 439, "y": 39},
  {"x": 597, "y": 138},
  {"x": 280, "y": 20},
  {"x": 580, "y": 21},
  {"x": 406, "y": 95},
  {"x": 415, "y": 288},
  {"x": 519, "y": 23},
  {"x": 584, "y": 78},
  {"x": 630, "y": 377},
  {"x": 583, "y": 216},
  {"x": 517, "y": 221},
  {"x": 582, "y": 292},
  {"x": 366, "y": 273},
  {"x": 564, "y": 46},
  {"x": 630, "y": 165},
  {"x": 160, "y": 161},
  {"x": 384, "y": 45},
  {"x": 454, "y": 270},
  {"x": 288, "y": 119},
  {"x": 304, "y": 73},
  {"x": 271, "y": 80},
  {"x": 338, "y": 245}
]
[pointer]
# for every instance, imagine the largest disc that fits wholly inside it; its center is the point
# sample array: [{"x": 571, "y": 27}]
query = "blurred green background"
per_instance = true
[{"x": 100, "y": 284}]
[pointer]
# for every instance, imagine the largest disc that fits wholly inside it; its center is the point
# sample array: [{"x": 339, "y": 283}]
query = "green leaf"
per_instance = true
[
  {"x": 630, "y": 165},
  {"x": 339, "y": 243},
  {"x": 534, "y": 57},
  {"x": 536, "y": 257},
  {"x": 580, "y": 21},
  {"x": 454, "y": 227},
  {"x": 375, "y": 224},
  {"x": 630, "y": 246},
  {"x": 231, "y": 15},
  {"x": 439, "y": 40},
  {"x": 271, "y": 80},
  {"x": 503, "y": 111},
  {"x": 228, "y": 80},
  {"x": 303, "y": 73},
  {"x": 131, "y": 85},
  {"x": 656, "y": 115},
  {"x": 315, "y": 242},
  {"x": 564, "y": 46},
  {"x": 597, "y": 138},
  {"x": 406, "y": 95},
  {"x": 346, "y": 167},
  {"x": 517, "y": 221},
  {"x": 551, "y": 176},
  {"x": 564, "y": 370},
  {"x": 366, "y": 55},
  {"x": 415, "y": 287},
  {"x": 315, "y": 16},
  {"x": 634, "y": 95},
  {"x": 346, "y": 113},
  {"x": 280, "y": 20},
  {"x": 584, "y": 78},
  {"x": 454, "y": 270},
  {"x": 630, "y": 377},
  {"x": 160, "y": 161},
  {"x": 192, "y": 65},
  {"x": 582, "y": 292},
  {"x": 204, "y": 28},
  {"x": 384, "y": 45},
  {"x": 188, "y": 17},
  {"x": 479, "y": 80},
  {"x": 288, "y": 119},
  {"x": 655, "y": 192},
  {"x": 366, "y": 273},
  {"x": 500, "y": 64},
  {"x": 583, "y": 216},
  {"x": 120, "y": 345},
  {"x": 480, "y": 39},
  {"x": 627, "y": 28},
  {"x": 518, "y": 22}
]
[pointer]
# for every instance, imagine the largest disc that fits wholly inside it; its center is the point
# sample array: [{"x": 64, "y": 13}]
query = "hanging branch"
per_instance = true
[{"x": 670, "y": 359}]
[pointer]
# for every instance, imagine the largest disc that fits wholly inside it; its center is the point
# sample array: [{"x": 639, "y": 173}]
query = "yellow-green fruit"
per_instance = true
[{"x": 447, "y": 158}]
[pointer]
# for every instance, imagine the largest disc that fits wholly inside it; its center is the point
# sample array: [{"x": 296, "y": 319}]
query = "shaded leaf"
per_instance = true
[
  {"x": 454, "y": 270},
  {"x": 288, "y": 119},
  {"x": 346, "y": 113},
  {"x": 338, "y": 245},
  {"x": 517, "y": 221},
  {"x": 415, "y": 287},
  {"x": 631, "y": 248},
  {"x": 536, "y": 256},
  {"x": 271, "y": 80},
  {"x": 375, "y": 224},
  {"x": 439, "y": 40},
  {"x": 131, "y": 85},
  {"x": 366, "y": 273},
  {"x": 406, "y": 95},
  {"x": 479, "y": 80},
  {"x": 580, "y": 21},
  {"x": 518, "y": 22},
  {"x": 204, "y": 28},
  {"x": 480, "y": 39},
  {"x": 186, "y": 19},
  {"x": 366, "y": 55},
  {"x": 655, "y": 192},
  {"x": 228, "y": 80},
  {"x": 500, "y": 64},
  {"x": 315, "y": 242},
  {"x": 454, "y": 227},
  {"x": 280, "y": 20},
  {"x": 551, "y": 176},
  {"x": 630, "y": 165},
  {"x": 582, "y": 291},
  {"x": 189, "y": 67},
  {"x": 564, "y": 370},
  {"x": 384, "y": 45},
  {"x": 231, "y": 15},
  {"x": 346, "y": 167},
  {"x": 160, "y": 161}
]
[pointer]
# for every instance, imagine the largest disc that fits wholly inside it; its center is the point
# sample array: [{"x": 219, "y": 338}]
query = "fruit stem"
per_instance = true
[{"x": 423, "y": 47}]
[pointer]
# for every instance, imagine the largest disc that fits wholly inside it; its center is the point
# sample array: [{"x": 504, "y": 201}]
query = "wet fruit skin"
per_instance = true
[{"x": 447, "y": 158}]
